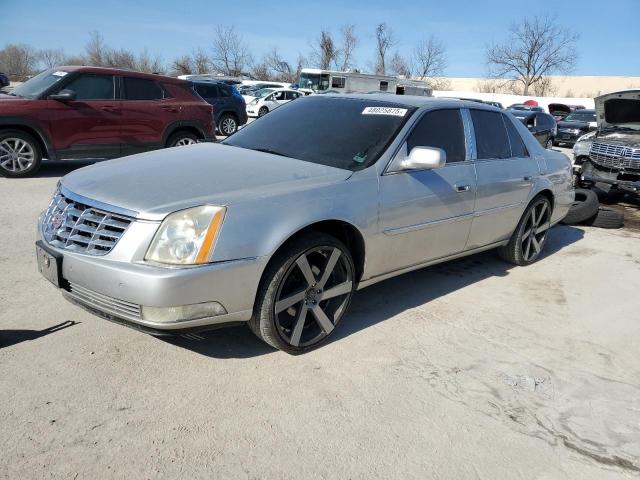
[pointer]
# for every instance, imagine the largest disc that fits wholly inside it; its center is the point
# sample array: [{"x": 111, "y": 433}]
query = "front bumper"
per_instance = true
[
  {"x": 605, "y": 178},
  {"x": 568, "y": 137},
  {"x": 121, "y": 290}
]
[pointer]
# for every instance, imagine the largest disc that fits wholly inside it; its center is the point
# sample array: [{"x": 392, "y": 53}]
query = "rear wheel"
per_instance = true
[
  {"x": 304, "y": 293},
  {"x": 263, "y": 111},
  {"x": 20, "y": 154},
  {"x": 530, "y": 235},
  {"x": 228, "y": 124},
  {"x": 549, "y": 145},
  {"x": 182, "y": 138}
]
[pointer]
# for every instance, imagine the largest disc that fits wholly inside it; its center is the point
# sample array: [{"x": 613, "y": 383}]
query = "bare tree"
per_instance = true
[
  {"x": 536, "y": 48},
  {"x": 385, "y": 40},
  {"x": 182, "y": 65},
  {"x": 323, "y": 51},
  {"x": 398, "y": 65},
  {"x": 279, "y": 69},
  {"x": 96, "y": 50},
  {"x": 229, "y": 53},
  {"x": 544, "y": 87},
  {"x": 345, "y": 52},
  {"x": 18, "y": 61},
  {"x": 260, "y": 71},
  {"x": 429, "y": 59},
  {"x": 50, "y": 57},
  {"x": 200, "y": 61}
]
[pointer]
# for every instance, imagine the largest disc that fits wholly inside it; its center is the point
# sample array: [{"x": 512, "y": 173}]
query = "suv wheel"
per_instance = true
[
  {"x": 20, "y": 154},
  {"x": 180, "y": 139},
  {"x": 228, "y": 124},
  {"x": 304, "y": 293},
  {"x": 549, "y": 144}
]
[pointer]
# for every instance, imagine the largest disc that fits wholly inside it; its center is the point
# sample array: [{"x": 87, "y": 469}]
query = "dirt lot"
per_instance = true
[{"x": 472, "y": 369}]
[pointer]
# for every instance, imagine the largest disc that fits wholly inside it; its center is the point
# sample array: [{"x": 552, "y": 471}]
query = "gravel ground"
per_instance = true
[{"x": 471, "y": 369}]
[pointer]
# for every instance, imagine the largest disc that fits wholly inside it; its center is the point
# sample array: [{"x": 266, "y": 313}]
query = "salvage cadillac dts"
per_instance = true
[{"x": 280, "y": 224}]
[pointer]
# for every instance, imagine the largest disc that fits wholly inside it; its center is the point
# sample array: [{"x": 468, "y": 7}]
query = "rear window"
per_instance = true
[
  {"x": 207, "y": 91},
  {"x": 492, "y": 140},
  {"x": 345, "y": 133},
  {"x": 141, "y": 89}
]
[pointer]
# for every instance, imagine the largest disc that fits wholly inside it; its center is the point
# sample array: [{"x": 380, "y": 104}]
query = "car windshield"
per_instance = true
[
  {"x": 34, "y": 87},
  {"x": 581, "y": 117},
  {"x": 263, "y": 92},
  {"x": 339, "y": 132}
]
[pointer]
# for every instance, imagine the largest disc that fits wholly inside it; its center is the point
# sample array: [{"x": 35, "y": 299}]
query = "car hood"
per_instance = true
[
  {"x": 157, "y": 183},
  {"x": 626, "y": 138},
  {"x": 619, "y": 108},
  {"x": 13, "y": 100}
]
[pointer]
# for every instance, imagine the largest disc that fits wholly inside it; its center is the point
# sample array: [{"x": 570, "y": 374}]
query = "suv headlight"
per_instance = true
[{"x": 187, "y": 237}]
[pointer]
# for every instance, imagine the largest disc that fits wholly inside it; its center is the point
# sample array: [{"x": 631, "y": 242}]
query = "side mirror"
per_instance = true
[
  {"x": 64, "y": 95},
  {"x": 424, "y": 158}
]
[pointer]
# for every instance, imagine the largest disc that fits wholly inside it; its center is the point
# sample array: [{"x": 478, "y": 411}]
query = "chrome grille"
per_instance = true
[
  {"x": 104, "y": 303},
  {"x": 80, "y": 228},
  {"x": 615, "y": 156}
]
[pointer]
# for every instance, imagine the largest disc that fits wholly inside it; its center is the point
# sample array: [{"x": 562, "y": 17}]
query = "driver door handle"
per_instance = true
[{"x": 463, "y": 188}]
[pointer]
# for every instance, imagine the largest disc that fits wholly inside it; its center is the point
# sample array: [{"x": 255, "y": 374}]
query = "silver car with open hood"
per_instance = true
[{"x": 281, "y": 223}]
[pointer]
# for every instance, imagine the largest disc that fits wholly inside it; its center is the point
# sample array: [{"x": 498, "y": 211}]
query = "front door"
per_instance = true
[
  {"x": 90, "y": 125},
  {"x": 506, "y": 173},
  {"x": 426, "y": 214}
]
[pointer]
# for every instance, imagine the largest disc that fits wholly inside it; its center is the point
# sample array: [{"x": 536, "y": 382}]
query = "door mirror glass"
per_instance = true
[
  {"x": 64, "y": 95},
  {"x": 424, "y": 158}
]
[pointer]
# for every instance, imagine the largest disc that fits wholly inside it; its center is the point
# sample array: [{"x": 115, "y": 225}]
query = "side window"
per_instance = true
[
  {"x": 93, "y": 87},
  {"x": 518, "y": 148},
  {"x": 141, "y": 89},
  {"x": 278, "y": 96},
  {"x": 440, "y": 129},
  {"x": 492, "y": 140},
  {"x": 338, "y": 82},
  {"x": 384, "y": 86},
  {"x": 224, "y": 91},
  {"x": 292, "y": 95}
]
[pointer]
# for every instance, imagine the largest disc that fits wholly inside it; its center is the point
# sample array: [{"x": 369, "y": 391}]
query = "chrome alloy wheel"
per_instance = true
[
  {"x": 313, "y": 295},
  {"x": 185, "y": 141},
  {"x": 16, "y": 154},
  {"x": 228, "y": 126},
  {"x": 535, "y": 231}
]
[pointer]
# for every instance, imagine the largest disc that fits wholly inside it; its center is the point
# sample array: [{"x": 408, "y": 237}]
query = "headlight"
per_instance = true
[
  {"x": 187, "y": 237},
  {"x": 254, "y": 101},
  {"x": 583, "y": 144}
]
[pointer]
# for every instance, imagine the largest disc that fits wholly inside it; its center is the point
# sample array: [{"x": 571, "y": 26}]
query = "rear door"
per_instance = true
[
  {"x": 426, "y": 214},
  {"x": 505, "y": 172},
  {"x": 90, "y": 125},
  {"x": 147, "y": 109}
]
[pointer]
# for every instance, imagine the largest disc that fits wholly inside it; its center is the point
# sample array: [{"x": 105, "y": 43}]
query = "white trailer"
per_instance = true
[{"x": 314, "y": 80}]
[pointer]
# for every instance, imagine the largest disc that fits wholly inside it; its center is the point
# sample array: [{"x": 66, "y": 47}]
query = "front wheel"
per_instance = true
[
  {"x": 304, "y": 293},
  {"x": 20, "y": 154},
  {"x": 530, "y": 235}
]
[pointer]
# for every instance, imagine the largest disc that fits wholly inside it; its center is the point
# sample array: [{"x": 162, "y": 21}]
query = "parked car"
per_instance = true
[
  {"x": 541, "y": 125},
  {"x": 525, "y": 107},
  {"x": 270, "y": 99},
  {"x": 249, "y": 90},
  {"x": 4, "y": 80},
  {"x": 613, "y": 160},
  {"x": 96, "y": 113},
  {"x": 229, "y": 106},
  {"x": 322, "y": 197},
  {"x": 576, "y": 125}
]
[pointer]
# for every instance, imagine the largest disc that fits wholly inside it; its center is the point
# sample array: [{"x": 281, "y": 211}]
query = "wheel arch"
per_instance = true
[
  {"x": 27, "y": 127},
  {"x": 182, "y": 126}
]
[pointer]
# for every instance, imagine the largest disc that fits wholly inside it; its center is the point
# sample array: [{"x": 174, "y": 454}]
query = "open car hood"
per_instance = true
[{"x": 618, "y": 108}]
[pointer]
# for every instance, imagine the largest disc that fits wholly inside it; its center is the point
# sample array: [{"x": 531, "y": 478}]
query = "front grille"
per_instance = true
[
  {"x": 71, "y": 225},
  {"x": 104, "y": 303},
  {"x": 615, "y": 156}
]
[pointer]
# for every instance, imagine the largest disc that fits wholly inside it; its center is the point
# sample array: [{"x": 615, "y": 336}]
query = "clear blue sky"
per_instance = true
[{"x": 609, "y": 45}]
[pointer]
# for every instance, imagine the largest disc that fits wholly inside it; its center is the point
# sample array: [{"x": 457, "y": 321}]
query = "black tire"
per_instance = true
[
  {"x": 263, "y": 111},
  {"x": 606, "y": 218},
  {"x": 550, "y": 144},
  {"x": 536, "y": 225},
  {"x": 228, "y": 124},
  {"x": 278, "y": 328},
  {"x": 584, "y": 206},
  {"x": 12, "y": 167},
  {"x": 182, "y": 136}
]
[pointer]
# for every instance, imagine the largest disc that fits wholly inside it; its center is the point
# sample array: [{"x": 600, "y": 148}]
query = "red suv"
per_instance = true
[{"x": 97, "y": 113}]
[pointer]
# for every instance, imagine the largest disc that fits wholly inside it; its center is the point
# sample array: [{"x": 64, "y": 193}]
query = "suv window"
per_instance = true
[
  {"x": 207, "y": 91},
  {"x": 542, "y": 120},
  {"x": 492, "y": 140},
  {"x": 224, "y": 90},
  {"x": 440, "y": 129},
  {"x": 91, "y": 86},
  {"x": 518, "y": 148},
  {"x": 141, "y": 89}
]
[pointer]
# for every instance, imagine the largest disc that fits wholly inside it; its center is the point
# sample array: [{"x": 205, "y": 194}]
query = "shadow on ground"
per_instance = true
[
  {"x": 59, "y": 168},
  {"x": 380, "y": 301},
  {"x": 12, "y": 337}
]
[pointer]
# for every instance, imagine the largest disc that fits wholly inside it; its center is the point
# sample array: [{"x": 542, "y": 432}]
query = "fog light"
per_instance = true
[{"x": 182, "y": 313}]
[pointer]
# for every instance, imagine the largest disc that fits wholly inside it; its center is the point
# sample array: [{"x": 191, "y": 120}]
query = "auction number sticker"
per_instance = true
[
  {"x": 59, "y": 73},
  {"x": 396, "y": 112}
]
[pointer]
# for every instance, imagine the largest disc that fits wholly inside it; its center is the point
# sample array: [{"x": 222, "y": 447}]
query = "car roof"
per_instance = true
[
  {"x": 120, "y": 71},
  {"x": 415, "y": 100}
]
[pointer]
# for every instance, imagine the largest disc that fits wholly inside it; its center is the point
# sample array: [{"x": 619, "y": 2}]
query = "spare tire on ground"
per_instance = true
[
  {"x": 584, "y": 207},
  {"x": 606, "y": 218}
]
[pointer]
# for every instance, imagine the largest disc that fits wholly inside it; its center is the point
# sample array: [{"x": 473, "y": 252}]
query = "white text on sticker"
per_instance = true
[{"x": 396, "y": 112}]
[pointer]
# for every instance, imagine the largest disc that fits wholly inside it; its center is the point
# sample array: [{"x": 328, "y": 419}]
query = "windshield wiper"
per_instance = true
[{"x": 272, "y": 152}]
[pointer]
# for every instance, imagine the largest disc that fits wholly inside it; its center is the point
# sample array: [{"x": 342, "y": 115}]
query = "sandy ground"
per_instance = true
[{"x": 470, "y": 370}]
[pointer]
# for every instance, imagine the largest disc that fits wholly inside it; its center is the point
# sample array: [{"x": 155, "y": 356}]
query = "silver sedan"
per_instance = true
[{"x": 281, "y": 223}]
